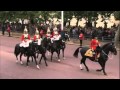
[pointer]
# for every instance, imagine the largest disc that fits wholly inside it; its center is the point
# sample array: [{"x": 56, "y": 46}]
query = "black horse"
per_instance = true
[
  {"x": 105, "y": 49},
  {"x": 29, "y": 51},
  {"x": 55, "y": 47},
  {"x": 62, "y": 47},
  {"x": 19, "y": 50},
  {"x": 41, "y": 49}
]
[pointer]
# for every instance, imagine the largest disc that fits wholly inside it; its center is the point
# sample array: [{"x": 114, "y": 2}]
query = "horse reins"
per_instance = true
[{"x": 107, "y": 55}]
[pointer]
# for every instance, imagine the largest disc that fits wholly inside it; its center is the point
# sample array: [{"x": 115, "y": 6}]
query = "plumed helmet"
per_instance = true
[
  {"x": 25, "y": 30},
  {"x": 56, "y": 32},
  {"x": 37, "y": 32},
  {"x": 48, "y": 30},
  {"x": 55, "y": 29}
]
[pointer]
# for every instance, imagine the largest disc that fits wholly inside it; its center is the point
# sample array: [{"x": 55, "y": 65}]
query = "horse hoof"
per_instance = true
[
  {"x": 98, "y": 70},
  {"x": 105, "y": 74},
  {"x": 38, "y": 67},
  {"x": 59, "y": 60},
  {"x": 87, "y": 70},
  {"x": 21, "y": 62}
]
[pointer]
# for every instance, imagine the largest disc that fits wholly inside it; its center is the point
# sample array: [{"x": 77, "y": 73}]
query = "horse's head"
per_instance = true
[
  {"x": 110, "y": 47},
  {"x": 113, "y": 48},
  {"x": 46, "y": 42}
]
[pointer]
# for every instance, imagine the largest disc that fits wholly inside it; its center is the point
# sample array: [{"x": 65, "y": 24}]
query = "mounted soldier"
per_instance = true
[
  {"x": 25, "y": 39},
  {"x": 56, "y": 36},
  {"x": 36, "y": 36},
  {"x": 48, "y": 35},
  {"x": 94, "y": 44}
]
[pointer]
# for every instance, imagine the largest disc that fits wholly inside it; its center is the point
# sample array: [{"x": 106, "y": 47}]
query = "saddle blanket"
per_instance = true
[{"x": 89, "y": 53}]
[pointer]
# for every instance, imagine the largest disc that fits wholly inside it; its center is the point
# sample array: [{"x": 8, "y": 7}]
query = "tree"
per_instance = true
[{"x": 117, "y": 36}]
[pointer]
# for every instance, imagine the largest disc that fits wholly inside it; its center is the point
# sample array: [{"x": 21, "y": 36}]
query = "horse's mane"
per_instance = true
[{"x": 105, "y": 45}]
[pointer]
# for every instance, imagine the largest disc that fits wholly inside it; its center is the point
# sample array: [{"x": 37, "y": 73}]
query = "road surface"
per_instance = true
[{"x": 66, "y": 69}]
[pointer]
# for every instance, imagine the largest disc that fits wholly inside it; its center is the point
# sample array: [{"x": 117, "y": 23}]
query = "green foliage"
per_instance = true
[
  {"x": 13, "y": 15},
  {"x": 91, "y": 15}
]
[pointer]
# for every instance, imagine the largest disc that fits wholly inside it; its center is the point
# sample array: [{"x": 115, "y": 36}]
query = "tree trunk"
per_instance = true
[{"x": 117, "y": 36}]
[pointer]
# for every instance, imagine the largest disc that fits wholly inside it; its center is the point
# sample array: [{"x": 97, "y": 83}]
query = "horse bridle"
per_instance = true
[{"x": 107, "y": 55}]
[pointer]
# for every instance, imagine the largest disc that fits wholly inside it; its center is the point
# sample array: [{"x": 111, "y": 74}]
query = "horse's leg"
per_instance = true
[
  {"x": 20, "y": 58},
  {"x": 83, "y": 60},
  {"x": 36, "y": 61},
  {"x": 103, "y": 67},
  {"x": 58, "y": 53},
  {"x": 16, "y": 57},
  {"x": 40, "y": 59},
  {"x": 32, "y": 59},
  {"x": 51, "y": 56},
  {"x": 45, "y": 59},
  {"x": 81, "y": 64},
  {"x": 37, "y": 55},
  {"x": 99, "y": 70},
  {"x": 63, "y": 53},
  {"x": 27, "y": 60}
]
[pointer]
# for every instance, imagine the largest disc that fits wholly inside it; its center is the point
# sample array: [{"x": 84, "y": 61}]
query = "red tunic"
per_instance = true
[
  {"x": 48, "y": 36},
  {"x": 35, "y": 37},
  {"x": 81, "y": 36},
  {"x": 8, "y": 29},
  {"x": 94, "y": 44},
  {"x": 24, "y": 39},
  {"x": 53, "y": 34},
  {"x": 41, "y": 32}
]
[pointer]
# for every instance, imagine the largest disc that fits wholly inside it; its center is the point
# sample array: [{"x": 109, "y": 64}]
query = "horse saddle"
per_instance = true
[{"x": 89, "y": 53}]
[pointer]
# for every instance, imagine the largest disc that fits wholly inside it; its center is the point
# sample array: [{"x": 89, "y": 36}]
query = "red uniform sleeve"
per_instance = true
[
  {"x": 22, "y": 38},
  {"x": 97, "y": 42},
  {"x": 34, "y": 38},
  {"x": 51, "y": 36},
  {"x": 29, "y": 37}
]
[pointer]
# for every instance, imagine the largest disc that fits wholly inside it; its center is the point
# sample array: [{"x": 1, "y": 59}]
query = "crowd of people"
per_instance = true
[{"x": 88, "y": 32}]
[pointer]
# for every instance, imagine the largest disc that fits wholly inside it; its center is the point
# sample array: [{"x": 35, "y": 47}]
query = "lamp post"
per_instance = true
[{"x": 62, "y": 20}]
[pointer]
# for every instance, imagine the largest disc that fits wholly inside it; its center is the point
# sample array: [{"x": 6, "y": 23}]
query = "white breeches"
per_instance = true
[
  {"x": 54, "y": 39},
  {"x": 39, "y": 41},
  {"x": 24, "y": 44}
]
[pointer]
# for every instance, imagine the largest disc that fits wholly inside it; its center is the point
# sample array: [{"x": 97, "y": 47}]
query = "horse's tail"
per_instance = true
[
  {"x": 76, "y": 52},
  {"x": 16, "y": 50}
]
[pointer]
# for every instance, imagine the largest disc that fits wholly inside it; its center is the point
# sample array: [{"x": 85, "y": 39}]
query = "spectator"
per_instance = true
[
  {"x": 3, "y": 28},
  {"x": 81, "y": 37},
  {"x": 9, "y": 30}
]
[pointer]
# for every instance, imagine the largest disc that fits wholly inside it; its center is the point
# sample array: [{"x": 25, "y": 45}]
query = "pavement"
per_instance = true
[{"x": 67, "y": 68}]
